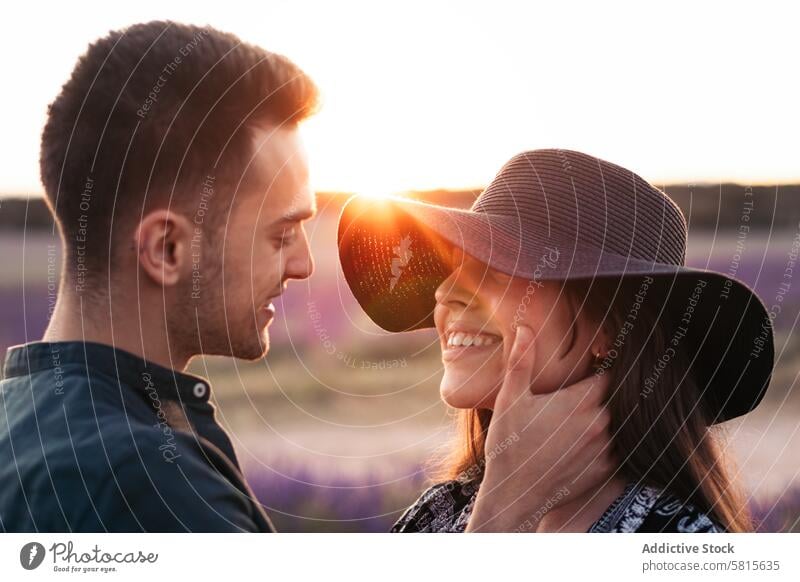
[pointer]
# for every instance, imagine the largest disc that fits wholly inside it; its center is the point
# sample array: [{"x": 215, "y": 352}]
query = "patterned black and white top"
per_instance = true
[{"x": 446, "y": 507}]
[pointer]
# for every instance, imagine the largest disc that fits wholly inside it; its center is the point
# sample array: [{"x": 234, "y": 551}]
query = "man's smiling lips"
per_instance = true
[{"x": 266, "y": 312}]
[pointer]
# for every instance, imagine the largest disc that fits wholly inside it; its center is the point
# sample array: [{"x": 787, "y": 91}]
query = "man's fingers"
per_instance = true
[
  {"x": 599, "y": 426},
  {"x": 521, "y": 356},
  {"x": 520, "y": 365},
  {"x": 591, "y": 391}
]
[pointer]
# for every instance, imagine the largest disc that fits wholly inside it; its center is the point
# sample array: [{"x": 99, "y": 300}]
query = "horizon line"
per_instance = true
[{"x": 454, "y": 190}]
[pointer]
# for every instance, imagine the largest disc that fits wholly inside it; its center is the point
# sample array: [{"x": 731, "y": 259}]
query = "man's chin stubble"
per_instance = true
[{"x": 250, "y": 349}]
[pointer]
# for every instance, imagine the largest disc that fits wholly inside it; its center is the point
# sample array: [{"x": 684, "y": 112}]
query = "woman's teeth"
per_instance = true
[{"x": 461, "y": 339}]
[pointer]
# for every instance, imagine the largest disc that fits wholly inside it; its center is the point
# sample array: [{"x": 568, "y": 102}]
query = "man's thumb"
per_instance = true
[{"x": 520, "y": 363}]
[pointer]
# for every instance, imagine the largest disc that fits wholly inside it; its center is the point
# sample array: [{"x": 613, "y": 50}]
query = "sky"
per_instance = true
[{"x": 427, "y": 95}]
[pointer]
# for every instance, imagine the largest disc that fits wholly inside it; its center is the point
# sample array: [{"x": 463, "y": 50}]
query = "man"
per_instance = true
[{"x": 173, "y": 166}]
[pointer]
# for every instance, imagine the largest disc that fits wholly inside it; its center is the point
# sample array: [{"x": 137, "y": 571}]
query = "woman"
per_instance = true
[{"x": 591, "y": 258}]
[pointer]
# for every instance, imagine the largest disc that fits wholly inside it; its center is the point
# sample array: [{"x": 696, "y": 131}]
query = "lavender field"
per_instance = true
[{"x": 334, "y": 429}]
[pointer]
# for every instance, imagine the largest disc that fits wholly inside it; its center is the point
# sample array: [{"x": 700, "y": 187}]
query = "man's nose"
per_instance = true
[{"x": 300, "y": 265}]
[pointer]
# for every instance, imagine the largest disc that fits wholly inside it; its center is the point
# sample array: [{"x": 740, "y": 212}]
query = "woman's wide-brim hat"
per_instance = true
[{"x": 558, "y": 215}]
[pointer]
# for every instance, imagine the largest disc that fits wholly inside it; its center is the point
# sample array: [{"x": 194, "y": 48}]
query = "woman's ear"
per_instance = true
[
  {"x": 601, "y": 346},
  {"x": 163, "y": 242}
]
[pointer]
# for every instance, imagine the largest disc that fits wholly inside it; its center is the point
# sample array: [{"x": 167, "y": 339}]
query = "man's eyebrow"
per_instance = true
[{"x": 297, "y": 215}]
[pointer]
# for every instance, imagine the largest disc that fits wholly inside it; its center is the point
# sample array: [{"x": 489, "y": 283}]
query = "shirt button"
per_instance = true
[{"x": 199, "y": 390}]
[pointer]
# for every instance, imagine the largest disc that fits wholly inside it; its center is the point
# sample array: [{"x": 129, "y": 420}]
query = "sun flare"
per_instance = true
[{"x": 377, "y": 193}]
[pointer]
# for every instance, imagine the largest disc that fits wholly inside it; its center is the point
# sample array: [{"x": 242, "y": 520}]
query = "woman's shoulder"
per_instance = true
[
  {"x": 446, "y": 507},
  {"x": 649, "y": 509},
  {"x": 670, "y": 513},
  {"x": 443, "y": 507}
]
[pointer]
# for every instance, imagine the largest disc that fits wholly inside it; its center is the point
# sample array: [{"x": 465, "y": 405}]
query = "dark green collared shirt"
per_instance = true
[{"x": 96, "y": 439}]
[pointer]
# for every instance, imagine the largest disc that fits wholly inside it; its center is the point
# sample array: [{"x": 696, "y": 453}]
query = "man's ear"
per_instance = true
[{"x": 163, "y": 242}]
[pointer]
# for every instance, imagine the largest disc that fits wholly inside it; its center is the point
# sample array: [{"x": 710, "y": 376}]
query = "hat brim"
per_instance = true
[{"x": 396, "y": 252}]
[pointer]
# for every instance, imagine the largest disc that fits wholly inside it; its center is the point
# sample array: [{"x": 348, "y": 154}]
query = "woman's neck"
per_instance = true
[{"x": 580, "y": 513}]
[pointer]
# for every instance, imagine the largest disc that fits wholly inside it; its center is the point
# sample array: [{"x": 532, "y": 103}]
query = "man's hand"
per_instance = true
[{"x": 538, "y": 445}]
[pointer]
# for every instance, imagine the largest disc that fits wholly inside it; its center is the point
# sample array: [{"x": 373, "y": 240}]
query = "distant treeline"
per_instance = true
[
  {"x": 16, "y": 213},
  {"x": 706, "y": 206}
]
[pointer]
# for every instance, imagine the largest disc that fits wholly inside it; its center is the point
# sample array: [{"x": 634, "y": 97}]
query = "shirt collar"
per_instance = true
[{"x": 127, "y": 367}]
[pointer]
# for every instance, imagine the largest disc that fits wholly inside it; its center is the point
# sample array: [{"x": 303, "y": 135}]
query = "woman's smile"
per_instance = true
[
  {"x": 461, "y": 339},
  {"x": 458, "y": 343}
]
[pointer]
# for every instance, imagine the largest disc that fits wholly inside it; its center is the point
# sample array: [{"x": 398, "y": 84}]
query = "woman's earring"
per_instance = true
[{"x": 598, "y": 360}]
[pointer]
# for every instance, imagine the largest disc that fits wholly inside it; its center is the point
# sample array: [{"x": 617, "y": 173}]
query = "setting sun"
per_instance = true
[{"x": 376, "y": 193}]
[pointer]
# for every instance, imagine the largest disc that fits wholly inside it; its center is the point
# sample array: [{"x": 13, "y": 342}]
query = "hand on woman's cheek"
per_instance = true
[{"x": 562, "y": 343}]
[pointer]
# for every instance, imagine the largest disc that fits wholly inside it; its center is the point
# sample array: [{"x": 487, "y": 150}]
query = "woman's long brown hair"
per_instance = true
[{"x": 660, "y": 428}]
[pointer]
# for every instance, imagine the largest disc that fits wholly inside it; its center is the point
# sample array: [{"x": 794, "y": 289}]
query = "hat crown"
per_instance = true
[{"x": 582, "y": 200}]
